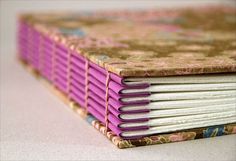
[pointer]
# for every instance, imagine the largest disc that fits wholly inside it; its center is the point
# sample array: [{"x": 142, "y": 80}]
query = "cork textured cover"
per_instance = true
[{"x": 148, "y": 43}]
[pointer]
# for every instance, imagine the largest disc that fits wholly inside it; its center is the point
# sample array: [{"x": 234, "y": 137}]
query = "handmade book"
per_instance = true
[{"x": 140, "y": 77}]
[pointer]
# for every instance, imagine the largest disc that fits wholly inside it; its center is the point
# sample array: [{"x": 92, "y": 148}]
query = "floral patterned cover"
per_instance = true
[{"x": 151, "y": 42}]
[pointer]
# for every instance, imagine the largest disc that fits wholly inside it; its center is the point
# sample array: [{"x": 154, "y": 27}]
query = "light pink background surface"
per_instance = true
[{"x": 36, "y": 125}]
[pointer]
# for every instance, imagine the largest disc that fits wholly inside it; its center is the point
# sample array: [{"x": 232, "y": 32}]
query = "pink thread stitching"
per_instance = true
[{"x": 107, "y": 99}]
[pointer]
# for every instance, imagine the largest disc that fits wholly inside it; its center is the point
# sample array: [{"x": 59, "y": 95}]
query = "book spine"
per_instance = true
[{"x": 64, "y": 67}]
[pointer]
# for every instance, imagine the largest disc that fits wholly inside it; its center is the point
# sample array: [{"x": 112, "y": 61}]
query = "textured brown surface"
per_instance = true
[{"x": 149, "y": 43}]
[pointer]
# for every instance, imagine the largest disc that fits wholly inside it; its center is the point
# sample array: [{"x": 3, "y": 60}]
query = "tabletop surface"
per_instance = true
[{"x": 36, "y": 125}]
